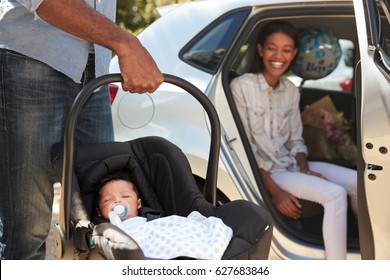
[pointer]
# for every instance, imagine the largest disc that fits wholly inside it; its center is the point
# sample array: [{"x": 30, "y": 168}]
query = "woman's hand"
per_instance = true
[
  {"x": 287, "y": 204},
  {"x": 304, "y": 166},
  {"x": 309, "y": 172}
]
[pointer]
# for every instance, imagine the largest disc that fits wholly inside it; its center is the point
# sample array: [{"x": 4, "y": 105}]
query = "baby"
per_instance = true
[
  {"x": 169, "y": 237},
  {"x": 120, "y": 196}
]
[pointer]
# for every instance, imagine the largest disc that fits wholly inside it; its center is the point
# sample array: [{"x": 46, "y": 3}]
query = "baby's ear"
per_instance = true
[{"x": 139, "y": 203}]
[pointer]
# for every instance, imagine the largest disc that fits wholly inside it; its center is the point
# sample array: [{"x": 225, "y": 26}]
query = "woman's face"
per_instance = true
[
  {"x": 118, "y": 192},
  {"x": 277, "y": 53}
]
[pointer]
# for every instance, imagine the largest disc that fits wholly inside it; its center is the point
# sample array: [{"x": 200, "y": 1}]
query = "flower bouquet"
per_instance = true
[{"x": 327, "y": 133}]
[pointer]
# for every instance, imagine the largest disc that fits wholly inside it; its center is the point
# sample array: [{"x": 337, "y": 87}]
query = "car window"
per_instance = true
[
  {"x": 208, "y": 48},
  {"x": 342, "y": 76}
]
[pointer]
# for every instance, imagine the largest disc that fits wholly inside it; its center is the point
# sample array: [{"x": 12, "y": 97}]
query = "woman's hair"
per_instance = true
[{"x": 269, "y": 29}]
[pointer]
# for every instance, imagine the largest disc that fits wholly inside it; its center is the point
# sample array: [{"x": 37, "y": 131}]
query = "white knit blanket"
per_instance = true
[{"x": 174, "y": 236}]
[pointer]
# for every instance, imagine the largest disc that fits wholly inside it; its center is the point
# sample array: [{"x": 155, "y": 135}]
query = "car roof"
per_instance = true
[
  {"x": 180, "y": 23},
  {"x": 218, "y": 7},
  {"x": 203, "y": 12}
]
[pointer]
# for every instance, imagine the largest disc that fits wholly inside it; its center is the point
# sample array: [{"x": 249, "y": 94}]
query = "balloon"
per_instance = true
[{"x": 318, "y": 55}]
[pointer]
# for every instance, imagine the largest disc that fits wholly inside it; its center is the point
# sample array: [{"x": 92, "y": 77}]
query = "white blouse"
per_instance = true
[{"x": 271, "y": 119}]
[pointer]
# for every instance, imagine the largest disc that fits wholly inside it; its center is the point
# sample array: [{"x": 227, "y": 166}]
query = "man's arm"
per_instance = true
[{"x": 138, "y": 69}]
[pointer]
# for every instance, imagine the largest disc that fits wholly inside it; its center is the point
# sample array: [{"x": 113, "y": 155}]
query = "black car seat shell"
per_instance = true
[
  {"x": 164, "y": 180},
  {"x": 165, "y": 184}
]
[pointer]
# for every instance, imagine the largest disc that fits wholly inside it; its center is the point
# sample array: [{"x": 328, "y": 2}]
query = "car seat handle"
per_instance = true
[{"x": 83, "y": 96}]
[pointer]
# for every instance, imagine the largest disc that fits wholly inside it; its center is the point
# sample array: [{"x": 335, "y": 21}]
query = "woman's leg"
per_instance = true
[
  {"x": 334, "y": 200},
  {"x": 342, "y": 176}
]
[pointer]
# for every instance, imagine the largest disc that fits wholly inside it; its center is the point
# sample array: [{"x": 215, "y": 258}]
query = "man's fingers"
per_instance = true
[{"x": 142, "y": 85}]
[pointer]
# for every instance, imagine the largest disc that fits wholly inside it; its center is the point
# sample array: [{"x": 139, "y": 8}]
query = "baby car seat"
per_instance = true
[{"x": 165, "y": 184}]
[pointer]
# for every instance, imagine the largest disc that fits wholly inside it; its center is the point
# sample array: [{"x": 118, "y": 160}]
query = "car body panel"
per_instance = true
[
  {"x": 375, "y": 134},
  {"x": 175, "y": 116}
]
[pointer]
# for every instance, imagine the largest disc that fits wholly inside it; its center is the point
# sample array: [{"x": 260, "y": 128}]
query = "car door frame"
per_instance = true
[
  {"x": 235, "y": 144},
  {"x": 372, "y": 87}
]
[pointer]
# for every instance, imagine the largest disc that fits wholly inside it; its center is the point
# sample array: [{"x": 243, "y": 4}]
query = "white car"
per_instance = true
[{"x": 209, "y": 42}]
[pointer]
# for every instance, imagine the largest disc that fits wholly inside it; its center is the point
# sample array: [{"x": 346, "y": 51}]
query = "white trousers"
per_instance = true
[{"x": 332, "y": 194}]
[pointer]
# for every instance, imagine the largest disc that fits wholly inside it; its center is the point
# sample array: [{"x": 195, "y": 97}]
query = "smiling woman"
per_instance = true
[
  {"x": 277, "y": 47},
  {"x": 268, "y": 104}
]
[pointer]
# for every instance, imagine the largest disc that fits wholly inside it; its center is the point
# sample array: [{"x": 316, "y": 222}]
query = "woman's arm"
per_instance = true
[
  {"x": 304, "y": 167},
  {"x": 302, "y": 162}
]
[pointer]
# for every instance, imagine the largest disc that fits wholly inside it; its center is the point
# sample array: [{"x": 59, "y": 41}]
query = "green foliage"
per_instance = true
[{"x": 135, "y": 15}]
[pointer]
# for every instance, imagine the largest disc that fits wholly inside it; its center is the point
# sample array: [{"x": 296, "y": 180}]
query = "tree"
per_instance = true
[{"x": 135, "y": 15}]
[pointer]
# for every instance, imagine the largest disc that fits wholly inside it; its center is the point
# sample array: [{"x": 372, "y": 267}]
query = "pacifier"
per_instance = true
[{"x": 121, "y": 211}]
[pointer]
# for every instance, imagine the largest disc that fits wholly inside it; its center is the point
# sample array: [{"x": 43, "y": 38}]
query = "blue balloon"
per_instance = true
[{"x": 318, "y": 55}]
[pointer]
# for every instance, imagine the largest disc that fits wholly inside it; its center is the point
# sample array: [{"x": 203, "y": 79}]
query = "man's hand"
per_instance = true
[{"x": 138, "y": 69}]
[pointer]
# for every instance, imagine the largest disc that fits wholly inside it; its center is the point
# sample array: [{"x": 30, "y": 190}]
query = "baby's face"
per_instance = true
[{"x": 118, "y": 192}]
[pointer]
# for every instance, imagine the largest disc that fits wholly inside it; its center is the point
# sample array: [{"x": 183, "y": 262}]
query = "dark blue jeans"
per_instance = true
[{"x": 34, "y": 103}]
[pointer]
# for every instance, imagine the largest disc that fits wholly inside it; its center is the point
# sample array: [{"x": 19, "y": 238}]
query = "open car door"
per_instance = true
[{"x": 373, "y": 117}]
